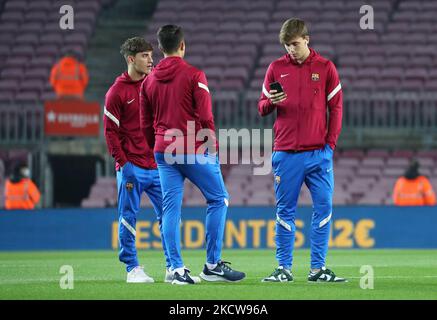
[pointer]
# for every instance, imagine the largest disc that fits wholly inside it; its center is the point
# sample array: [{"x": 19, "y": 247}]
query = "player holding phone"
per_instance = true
[
  {"x": 304, "y": 145},
  {"x": 277, "y": 93}
]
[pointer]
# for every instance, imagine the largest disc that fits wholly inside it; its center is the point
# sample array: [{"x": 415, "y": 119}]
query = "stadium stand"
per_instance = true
[
  {"x": 360, "y": 178},
  {"x": 248, "y": 31},
  {"x": 31, "y": 41},
  {"x": 388, "y": 75}
]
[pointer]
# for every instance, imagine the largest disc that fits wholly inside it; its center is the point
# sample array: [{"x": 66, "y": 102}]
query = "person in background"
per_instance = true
[
  {"x": 413, "y": 189},
  {"x": 69, "y": 77},
  {"x": 20, "y": 191}
]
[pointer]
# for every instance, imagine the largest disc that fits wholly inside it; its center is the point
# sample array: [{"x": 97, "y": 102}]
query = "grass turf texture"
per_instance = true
[{"x": 399, "y": 274}]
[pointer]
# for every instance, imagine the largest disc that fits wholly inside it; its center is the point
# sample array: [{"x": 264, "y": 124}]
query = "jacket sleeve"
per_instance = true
[
  {"x": 34, "y": 193},
  {"x": 429, "y": 194},
  {"x": 265, "y": 106},
  {"x": 203, "y": 106},
  {"x": 146, "y": 117},
  {"x": 111, "y": 126},
  {"x": 334, "y": 97},
  {"x": 202, "y": 101},
  {"x": 396, "y": 192}
]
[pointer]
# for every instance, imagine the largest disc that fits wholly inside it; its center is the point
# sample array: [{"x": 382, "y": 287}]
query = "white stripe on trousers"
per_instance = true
[{"x": 128, "y": 226}]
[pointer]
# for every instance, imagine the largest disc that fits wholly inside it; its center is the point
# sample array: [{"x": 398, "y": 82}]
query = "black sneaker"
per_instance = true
[
  {"x": 279, "y": 275},
  {"x": 169, "y": 276},
  {"x": 182, "y": 279},
  {"x": 324, "y": 275},
  {"x": 222, "y": 272}
]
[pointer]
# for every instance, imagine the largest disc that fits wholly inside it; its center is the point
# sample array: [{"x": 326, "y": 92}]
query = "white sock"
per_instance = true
[
  {"x": 211, "y": 265},
  {"x": 315, "y": 270},
  {"x": 180, "y": 271}
]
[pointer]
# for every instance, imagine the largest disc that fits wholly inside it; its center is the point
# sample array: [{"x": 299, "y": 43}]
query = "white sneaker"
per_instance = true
[
  {"x": 169, "y": 276},
  {"x": 137, "y": 275}
]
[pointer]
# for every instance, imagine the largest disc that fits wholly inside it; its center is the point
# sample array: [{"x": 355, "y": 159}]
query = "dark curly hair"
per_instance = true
[{"x": 134, "y": 45}]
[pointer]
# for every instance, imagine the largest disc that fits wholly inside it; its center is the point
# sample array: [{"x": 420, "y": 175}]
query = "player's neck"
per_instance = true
[
  {"x": 134, "y": 75},
  {"x": 302, "y": 60},
  {"x": 179, "y": 55}
]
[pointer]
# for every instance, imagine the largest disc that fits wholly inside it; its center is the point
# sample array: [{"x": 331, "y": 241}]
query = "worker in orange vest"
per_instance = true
[
  {"x": 69, "y": 77},
  {"x": 20, "y": 191},
  {"x": 413, "y": 189}
]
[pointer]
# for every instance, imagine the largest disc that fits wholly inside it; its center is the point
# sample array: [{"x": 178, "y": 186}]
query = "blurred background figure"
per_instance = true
[
  {"x": 20, "y": 192},
  {"x": 413, "y": 189},
  {"x": 69, "y": 76}
]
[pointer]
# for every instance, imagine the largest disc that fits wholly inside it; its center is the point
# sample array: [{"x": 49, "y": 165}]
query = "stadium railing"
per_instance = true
[
  {"x": 399, "y": 111},
  {"x": 388, "y": 113},
  {"x": 21, "y": 124}
]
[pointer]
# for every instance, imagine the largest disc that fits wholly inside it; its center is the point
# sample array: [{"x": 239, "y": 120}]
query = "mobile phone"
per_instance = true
[{"x": 276, "y": 86}]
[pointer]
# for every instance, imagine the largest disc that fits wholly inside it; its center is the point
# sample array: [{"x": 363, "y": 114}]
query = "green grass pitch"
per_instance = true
[{"x": 398, "y": 274}]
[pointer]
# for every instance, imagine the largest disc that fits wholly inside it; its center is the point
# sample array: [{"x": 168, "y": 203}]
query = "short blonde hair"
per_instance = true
[{"x": 291, "y": 29}]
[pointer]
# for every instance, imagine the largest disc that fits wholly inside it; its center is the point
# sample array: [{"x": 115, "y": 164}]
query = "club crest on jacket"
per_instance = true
[{"x": 129, "y": 186}]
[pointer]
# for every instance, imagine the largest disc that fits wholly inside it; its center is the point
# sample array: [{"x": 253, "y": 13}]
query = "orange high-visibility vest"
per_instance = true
[
  {"x": 69, "y": 77},
  {"x": 21, "y": 195},
  {"x": 416, "y": 192}
]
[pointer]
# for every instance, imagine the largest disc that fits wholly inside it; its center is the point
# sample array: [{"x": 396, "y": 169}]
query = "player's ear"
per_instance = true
[
  {"x": 307, "y": 39},
  {"x": 130, "y": 59},
  {"x": 182, "y": 45}
]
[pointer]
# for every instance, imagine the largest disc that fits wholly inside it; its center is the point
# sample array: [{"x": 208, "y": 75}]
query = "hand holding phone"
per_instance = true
[
  {"x": 277, "y": 94},
  {"x": 276, "y": 86}
]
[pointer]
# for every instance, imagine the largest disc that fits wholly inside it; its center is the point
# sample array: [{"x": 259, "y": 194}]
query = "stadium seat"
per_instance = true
[{"x": 234, "y": 42}]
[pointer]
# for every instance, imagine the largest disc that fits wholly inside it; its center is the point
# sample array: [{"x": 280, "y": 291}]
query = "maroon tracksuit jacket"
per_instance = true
[
  {"x": 121, "y": 120},
  {"x": 313, "y": 88},
  {"x": 173, "y": 94}
]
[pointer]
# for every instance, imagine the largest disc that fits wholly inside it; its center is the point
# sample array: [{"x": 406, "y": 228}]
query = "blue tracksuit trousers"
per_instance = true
[
  {"x": 291, "y": 170},
  {"x": 204, "y": 172},
  {"x": 129, "y": 199}
]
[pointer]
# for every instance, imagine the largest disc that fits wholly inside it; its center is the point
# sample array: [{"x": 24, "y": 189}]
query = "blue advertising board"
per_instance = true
[{"x": 246, "y": 228}]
